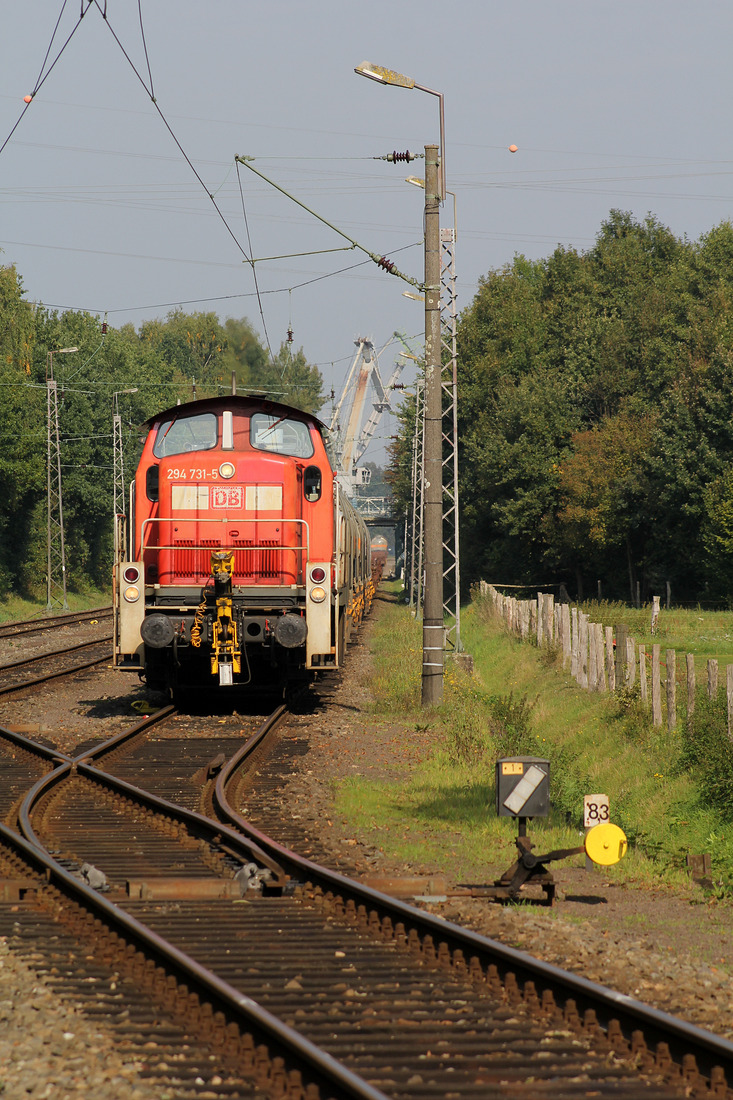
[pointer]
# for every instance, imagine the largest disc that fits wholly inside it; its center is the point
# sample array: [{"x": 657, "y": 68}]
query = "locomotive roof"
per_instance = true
[{"x": 245, "y": 402}]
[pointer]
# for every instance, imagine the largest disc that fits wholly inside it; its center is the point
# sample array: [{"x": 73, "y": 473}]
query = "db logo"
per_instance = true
[{"x": 227, "y": 496}]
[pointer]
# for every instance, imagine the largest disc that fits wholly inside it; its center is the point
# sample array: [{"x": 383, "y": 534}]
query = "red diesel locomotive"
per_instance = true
[{"x": 246, "y": 563}]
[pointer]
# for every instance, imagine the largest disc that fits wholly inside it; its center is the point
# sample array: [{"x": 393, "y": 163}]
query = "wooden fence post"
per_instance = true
[
  {"x": 656, "y": 686},
  {"x": 583, "y": 651},
  {"x": 690, "y": 685},
  {"x": 642, "y": 676},
  {"x": 655, "y": 614},
  {"x": 671, "y": 689},
  {"x": 630, "y": 662},
  {"x": 575, "y": 644},
  {"x": 621, "y": 633},
  {"x": 600, "y": 652},
  {"x": 610, "y": 663},
  {"x": 566, "y": 636},
  {"x": 712, "y": 678},
  {"x": 592, "y": 658}
]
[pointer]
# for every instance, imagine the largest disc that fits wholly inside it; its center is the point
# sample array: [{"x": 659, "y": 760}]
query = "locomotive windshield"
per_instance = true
[
  {"x": 281, "y": 435},
  {"x": 185, "y": 433}
]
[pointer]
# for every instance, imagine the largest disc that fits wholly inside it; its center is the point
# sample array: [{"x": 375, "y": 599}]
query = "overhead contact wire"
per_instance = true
[
  {"x": 43, "y": 77},
  {"x": 229, "y": 297},
  {"x": 168, "y": 127},
  {"x": 252, "y": 264},
  {"x": 145, "y": 45}
]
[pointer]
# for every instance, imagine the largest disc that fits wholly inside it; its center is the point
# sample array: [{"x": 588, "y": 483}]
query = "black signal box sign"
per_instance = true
[{"x": 522, "y": 787}]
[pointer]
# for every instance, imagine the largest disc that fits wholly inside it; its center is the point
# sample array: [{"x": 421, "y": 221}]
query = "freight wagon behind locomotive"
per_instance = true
[
  {"x": 379, "y": 555},
  {"x": 246, "y": 564}
]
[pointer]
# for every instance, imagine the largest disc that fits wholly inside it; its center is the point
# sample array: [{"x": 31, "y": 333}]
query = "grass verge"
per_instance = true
[
  {"x": 16, "y": 607},
  {"x": 520, "y": 702}
]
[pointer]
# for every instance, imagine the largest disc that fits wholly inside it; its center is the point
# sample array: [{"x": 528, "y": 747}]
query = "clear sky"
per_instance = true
[{"x": 611, "y": 104}]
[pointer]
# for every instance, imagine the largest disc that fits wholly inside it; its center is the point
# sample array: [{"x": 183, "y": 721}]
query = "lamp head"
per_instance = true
[{"x": 384, "y": 76}]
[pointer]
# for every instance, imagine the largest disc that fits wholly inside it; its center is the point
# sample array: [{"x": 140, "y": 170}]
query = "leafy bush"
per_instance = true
[
  {"x": 708, "y": 753},
  {"x": 511, "y": 724},
  {"x": 482, "y": 727}
]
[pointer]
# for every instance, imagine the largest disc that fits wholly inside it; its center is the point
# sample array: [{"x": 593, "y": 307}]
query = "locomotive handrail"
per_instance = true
[{"x": 226, "y": 520}]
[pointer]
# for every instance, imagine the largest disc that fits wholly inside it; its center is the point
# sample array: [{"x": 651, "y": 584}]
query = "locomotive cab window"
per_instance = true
[
  {"x": 152, "y": 483},
  {"x": 312, "y": 484},
  {"x": 186, "y": 433},
  {"x": 281, "y": 435}
]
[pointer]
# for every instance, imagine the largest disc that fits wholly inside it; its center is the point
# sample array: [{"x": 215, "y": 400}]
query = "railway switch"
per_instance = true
[{"x": 523, "y": 792}]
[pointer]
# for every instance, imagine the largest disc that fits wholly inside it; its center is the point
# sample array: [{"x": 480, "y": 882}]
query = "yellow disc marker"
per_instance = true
[{"x": 606, "y": 844}]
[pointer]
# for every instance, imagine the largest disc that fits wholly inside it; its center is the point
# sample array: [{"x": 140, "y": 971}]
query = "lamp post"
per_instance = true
[
  {"x": 433, "y": 639},
  {"x": 118, "y": 485},
  {"x": 433, "y": 631},
  {"x": 449, "y": 389},
  {"x": 399, "y": 80},
  {"x": 55, "y": 546}
]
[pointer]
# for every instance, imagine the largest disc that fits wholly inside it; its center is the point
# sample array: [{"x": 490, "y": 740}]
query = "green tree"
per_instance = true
[
  {"x": 21, "y": 436},
  {"x": 193, "y": 344},
  {"x": 595, "y": 410},
  {"x": 243, "y": 355},
  {"x": 292, "y": 379},
  {"x": 604, "y": 493}
]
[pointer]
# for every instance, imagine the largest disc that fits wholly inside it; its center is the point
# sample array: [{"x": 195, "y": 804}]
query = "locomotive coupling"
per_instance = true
[
  {"x": 226, "y": 657},
  {"x": 222, "y": 568}
]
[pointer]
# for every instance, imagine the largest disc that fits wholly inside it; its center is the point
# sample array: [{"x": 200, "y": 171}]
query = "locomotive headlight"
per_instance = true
[
  {"x": 132, "y": 593},
  {"x": 318, "y": 595},
  {"x": 318, "y": 574},
  {"x": 131, "y": 574},
  {"x": 227, "y": 469}
]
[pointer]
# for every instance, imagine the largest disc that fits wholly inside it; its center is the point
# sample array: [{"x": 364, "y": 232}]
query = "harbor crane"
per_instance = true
[{"x": 352, "y": 440}]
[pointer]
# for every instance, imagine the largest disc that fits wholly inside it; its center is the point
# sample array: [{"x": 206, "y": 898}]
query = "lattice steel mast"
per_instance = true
[
  {"x": 55, "y": 545},
  {"x": 449, "y": 389}
]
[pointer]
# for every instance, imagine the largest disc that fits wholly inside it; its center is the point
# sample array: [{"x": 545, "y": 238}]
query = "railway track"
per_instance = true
[
  {"x": 32, "y": 671},
  {"x": 22, "y": 627},
  {"x": 301, "y": 977}
]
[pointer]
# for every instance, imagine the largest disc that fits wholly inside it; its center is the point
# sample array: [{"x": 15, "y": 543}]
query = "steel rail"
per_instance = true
[
  {"x": 53, "y": 653},
  {"x": 18, "y": 628},
  {"x": 8, "y": 689},
  {"x": 322, "y": 1068},
  {"x": 709, "y": 1050},
  {"x": 34, "y": 747},
  {"x": 214, "y": 832}
]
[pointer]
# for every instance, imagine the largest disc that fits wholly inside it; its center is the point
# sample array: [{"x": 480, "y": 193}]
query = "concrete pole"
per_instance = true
[{"x": 433, "y": 641}]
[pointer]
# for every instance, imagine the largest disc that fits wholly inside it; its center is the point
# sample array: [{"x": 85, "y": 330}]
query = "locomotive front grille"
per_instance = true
[
  {"x": 193, "y": 560},
  {"x": 264, "y": 562}
]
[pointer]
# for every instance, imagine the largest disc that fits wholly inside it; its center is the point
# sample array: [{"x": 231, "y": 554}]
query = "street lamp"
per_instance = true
[
  {"x": 55, "y": 546},
  {"x": 433, "y": 630},
  {"x": 398, "y": 80}
]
